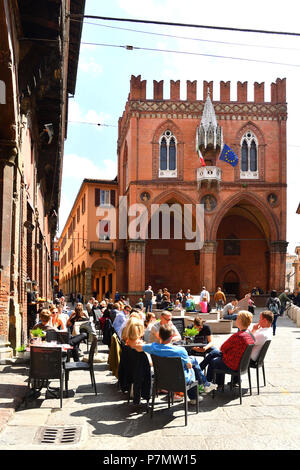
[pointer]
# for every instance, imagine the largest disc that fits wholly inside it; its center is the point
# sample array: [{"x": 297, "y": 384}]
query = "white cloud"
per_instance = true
[
  {"x": 90, "y": 66},
  {"x": 77, "y": 115},
  {"x": 78, "y": 168},
  {"x": 75, "y": 170}
]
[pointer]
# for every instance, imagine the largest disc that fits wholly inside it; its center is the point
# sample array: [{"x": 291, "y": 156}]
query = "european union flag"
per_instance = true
[{"x": 228, "y": 155}]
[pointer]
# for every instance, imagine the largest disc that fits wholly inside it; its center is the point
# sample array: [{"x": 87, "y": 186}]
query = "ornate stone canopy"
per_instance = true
[{"x": 209, "y": 133}]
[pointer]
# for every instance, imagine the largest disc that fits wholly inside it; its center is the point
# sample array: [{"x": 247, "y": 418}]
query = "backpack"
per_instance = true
[{"x": 273, "y": 306}]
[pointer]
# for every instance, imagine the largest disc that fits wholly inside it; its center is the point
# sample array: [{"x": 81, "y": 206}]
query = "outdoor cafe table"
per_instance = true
[
  {"x": 194, "y": 345},
  {"x": 44, "y": 344}
]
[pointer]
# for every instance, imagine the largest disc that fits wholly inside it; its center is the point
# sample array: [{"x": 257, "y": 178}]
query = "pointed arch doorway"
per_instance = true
[
  {"x": 243, "y": 251},
  {"x": 231, "y": 284},
  {"x": 168, "y": 263}
]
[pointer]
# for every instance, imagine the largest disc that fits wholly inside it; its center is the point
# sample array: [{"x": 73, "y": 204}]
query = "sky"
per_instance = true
[{"x": 104, "y": 74}]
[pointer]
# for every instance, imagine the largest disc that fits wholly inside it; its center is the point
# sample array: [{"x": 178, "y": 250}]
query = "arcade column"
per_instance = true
[
  {"x": 88, "y": 283},
  {"x": 208, "y": 265},
  {"x": 136, "y": 269},
  {"x": 278, "y": 251},
  {"x": 7, "y": 162},
  {"x": 121, "y": 282}
]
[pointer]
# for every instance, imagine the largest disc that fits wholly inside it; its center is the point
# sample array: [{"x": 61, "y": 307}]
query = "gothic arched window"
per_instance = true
[
  {"x": 249, "y": 156},
  {"x": 167, "y": 155}
]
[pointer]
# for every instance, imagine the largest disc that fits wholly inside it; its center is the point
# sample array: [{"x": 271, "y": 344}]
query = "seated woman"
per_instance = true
[
  {"x": 231, "y": 351},
  {"x": 178, "y": 306},
  {"x": 78, "y": 315},
  {"x": 159, "y": 297},
  {"x": 203, "y": 336},
  {"x": 56, "y": 320},
  {"x": 133, "y": 332},
  {"x": 148, "y": 323}
]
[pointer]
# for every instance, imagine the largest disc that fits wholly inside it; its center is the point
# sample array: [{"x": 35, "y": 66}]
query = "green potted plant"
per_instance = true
[
  {"x": 37, "y": 335},
  {"x": 21, "y": 352},
  {"x": 190, "y": 333}
]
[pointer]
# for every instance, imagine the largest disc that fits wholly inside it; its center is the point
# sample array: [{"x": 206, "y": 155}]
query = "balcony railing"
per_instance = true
[
  {"x": 209, "y": 175},
  {"x": 103, "y": 245}
]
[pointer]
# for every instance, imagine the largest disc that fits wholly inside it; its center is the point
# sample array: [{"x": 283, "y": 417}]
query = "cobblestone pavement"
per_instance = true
[{"x": 268, "y": 421}]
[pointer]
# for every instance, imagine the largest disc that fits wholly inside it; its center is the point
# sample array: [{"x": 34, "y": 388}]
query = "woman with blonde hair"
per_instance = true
[
  {"x": 133, "y": 332},
  {"x": 231, "y": 351}
]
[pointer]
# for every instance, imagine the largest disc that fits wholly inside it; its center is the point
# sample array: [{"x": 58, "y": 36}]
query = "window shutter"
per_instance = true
[
  {"x": 113, "y": 197},
  {"x": 97, "y": 197}
]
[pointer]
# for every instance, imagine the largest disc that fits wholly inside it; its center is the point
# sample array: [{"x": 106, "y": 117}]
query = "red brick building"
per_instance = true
[
  {"x": 245, "y": 206},
  {"x": 39, "y": 51}
]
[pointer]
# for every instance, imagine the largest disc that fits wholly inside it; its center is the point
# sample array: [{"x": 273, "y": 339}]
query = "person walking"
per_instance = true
[
  {"x": 220, "y": 299},
  {"x": 273, "y": 304}
]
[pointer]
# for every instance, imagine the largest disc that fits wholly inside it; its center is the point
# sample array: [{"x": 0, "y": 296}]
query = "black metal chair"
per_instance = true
[
  {"x": 179, "y": 323},
  {"x": 45, "y": 364},
  {"x": 243, "y": 369},
  {"x": 62, "y": 337},
  {"x": 134, "y": 373},
  {"x": 80, "y": 365},
  {"x": 260, "y": 363},
  {"x": 169, "y": 375}
]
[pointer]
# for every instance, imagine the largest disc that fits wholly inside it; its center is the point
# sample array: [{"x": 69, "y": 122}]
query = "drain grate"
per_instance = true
[{"x": 58, "y": 435}]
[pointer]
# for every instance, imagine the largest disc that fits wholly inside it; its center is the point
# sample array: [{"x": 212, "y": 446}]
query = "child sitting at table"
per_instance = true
[{"x": 203, "y": 305}]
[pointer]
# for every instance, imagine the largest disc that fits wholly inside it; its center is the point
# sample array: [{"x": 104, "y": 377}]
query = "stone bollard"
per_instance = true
[
  {"x": 298, "y": 316},
  {"x": 294, "y": 314}
]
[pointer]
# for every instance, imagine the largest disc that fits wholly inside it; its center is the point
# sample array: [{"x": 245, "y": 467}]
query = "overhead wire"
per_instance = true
[
  {"x": 190, "y": 38},
  {"x": 188, "y": 25},
  {"x": 92, "y": 123},
  {"x": 130, "y": 47}
]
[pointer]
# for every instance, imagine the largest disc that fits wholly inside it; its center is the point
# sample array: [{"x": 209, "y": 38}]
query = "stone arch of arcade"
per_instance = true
[
  {"x": 103, "y": 278},
  {"x": 167, "y": 262},
  {"x": 245, "y": 233}
]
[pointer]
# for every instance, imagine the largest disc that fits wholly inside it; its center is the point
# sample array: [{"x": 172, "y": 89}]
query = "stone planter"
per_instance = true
[{"x": 23, "y": 356}]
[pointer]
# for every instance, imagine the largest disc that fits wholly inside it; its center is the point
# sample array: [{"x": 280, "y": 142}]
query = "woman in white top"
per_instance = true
[{"x": 148, "y": 323}]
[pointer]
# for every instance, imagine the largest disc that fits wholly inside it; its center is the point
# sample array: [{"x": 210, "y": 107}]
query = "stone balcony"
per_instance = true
[
  {"x": 210, "y": 175},
  {"x": 102, "y": 245}
]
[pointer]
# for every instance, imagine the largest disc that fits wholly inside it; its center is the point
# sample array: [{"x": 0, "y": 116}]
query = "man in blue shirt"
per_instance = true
[
  {"x": 121, "y": 319},
  {"x": 191, "y": 366}
]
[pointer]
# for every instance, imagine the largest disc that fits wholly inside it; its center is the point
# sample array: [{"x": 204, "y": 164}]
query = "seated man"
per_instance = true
[
  {"x": 262, "y": 332},
  {"x": 121, "y": 319},
  {"x": 231, "y": 351},
  {"x": 165, "y": 319},
  {"x": 229, "y": 311},
  {"x": 191, "y": 367}
]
